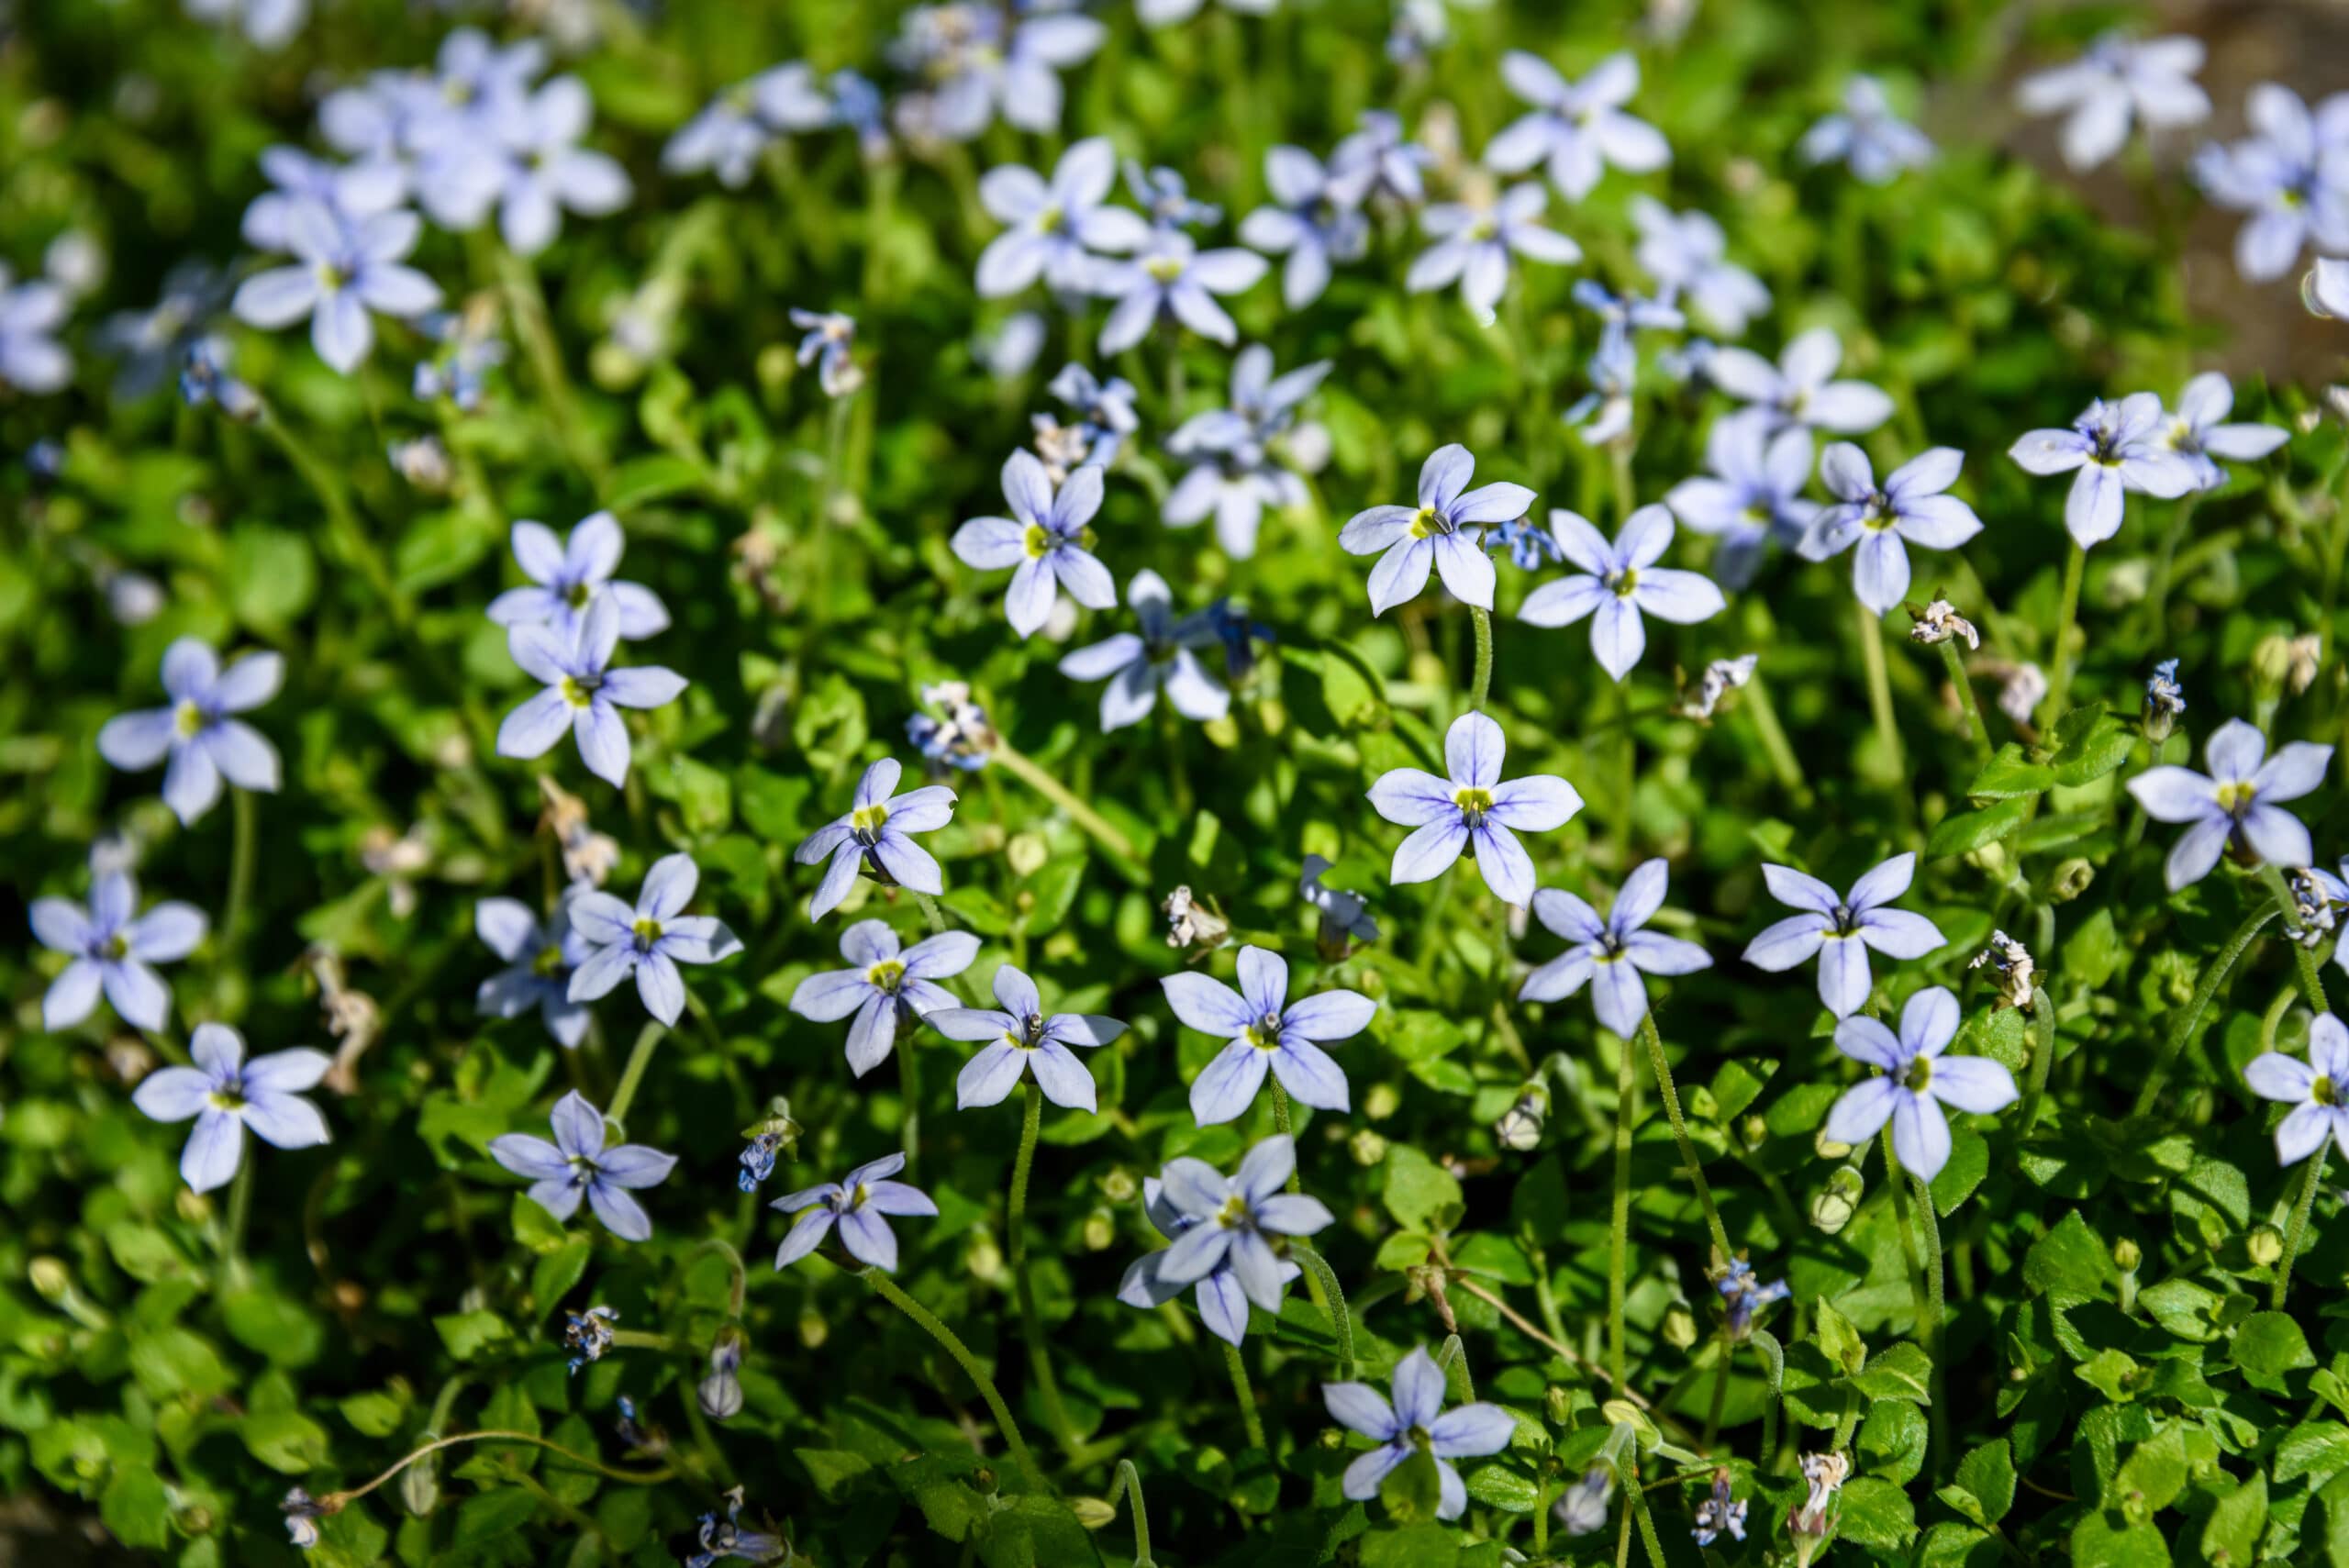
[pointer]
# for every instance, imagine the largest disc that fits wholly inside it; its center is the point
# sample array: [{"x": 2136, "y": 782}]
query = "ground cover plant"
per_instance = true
[{"x": 1247, "y": 782}]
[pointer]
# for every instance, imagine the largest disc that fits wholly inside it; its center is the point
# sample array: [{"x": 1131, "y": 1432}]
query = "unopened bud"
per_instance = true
[
  {"x": 1833, "y": 1205},
  {"x": 50, "y": 1279},
  {"x": 1383, "y": 1101},
  {"x": 2265, "y": 1245},
  {"x": 985, "y": 1259},
  {"x": 813, "y": 1329},
  {"x": 1679, "y": 1327},
  {"x": 1826, "y": 1148},
  {"x": 1099, "y": 1231},
  {"x": 1558, "y": 1404},
  {"x": 1119, "y": 1185},
  {"x": 1520, "y": 1125},
  {"x": 2070, "y": 880},
  {"x": 1367, "y": 1148},
  {"x": 1093, "y": 1513},
  {"x": 1752, "y": 1131},
  {"x": 2127, "y": 1255},
  {"x": 1026, "y": 853}
]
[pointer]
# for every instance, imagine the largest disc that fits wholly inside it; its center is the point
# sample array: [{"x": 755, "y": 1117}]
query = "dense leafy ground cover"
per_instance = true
[{"x": 488, "y": 880}]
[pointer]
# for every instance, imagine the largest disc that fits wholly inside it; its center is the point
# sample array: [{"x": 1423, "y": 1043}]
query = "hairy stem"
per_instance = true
[
  {"x": 1333, "y": 1303},
  {"x": 1618, "y": 1239},
  {"x": 1783, "y": 764},
  {"x": 2304, "y": 956},
  {"x": 1887, "y": 726},
  {"x": 2042, "y": 1057},
  {"x": 2215, "y": 975},
  {"x": 335, "y": 1502},
  {"x": 1244, "y": 1392},
  {"x": 1688, "y": 1160},
  {"x": 1482, "y": 688},
  {"x": 2067, "y": 613},
  {"x": 1123, "y": 857},
  {"x": 2299, "y": 1228},
  {"x": 1039, "y": 1360},
  {"x": 1976, "y": 730},
  {"x": 954, "y": 1347},
  {"x": 648, "y": 1040},
  {"x": 1129, "y": 1483}
]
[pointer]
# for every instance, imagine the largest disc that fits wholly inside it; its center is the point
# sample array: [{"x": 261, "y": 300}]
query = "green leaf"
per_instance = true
[
  {"x": 2231, "y": 1535},
  {"x": 488, "y": 1516},
  {"x": 1899, "y": 1371},
  {"x": 286, "y": 1441},
  {"x": 2010, "y": 774},
  {"x": 1877, "y": 1513},
  {"x": 1421, "y": 1546},
  {"x": 554, "y": 1275},
  {"x": 374, "y": 1414},
  {"x": 1839, "y": 1339},
  {"x": 1420, "y": 1193},
  {"x": 2114, "y": 1373},
  {"x": 2112, "y": 1540},
  {"x": 1963, "y": 832},
  {"x": 2183, "y": 1308},
  {"x": 2266, "y": 1345},
  {"x": 1892, "y": 1441},
  {"x": 1412, "y": 1490},
  {"x": 136, "y": 1507},
  {"x": 1987, "y": 1474},
  {"x": 1504, "y": 1487},
  {"x": 831, "y": 1469},
  {"x": 643, "y": 479},
  {"x": 2318, "y": 1450},
  {"x": 472, "y": 1334},
  {"x": 2087, "y": 752},
  {"x": 1970, "y": 1162},
  {"x": 2152, "y": 1477},
  {"x": 2069, "y": 1257},
  {"x": 270, "y": 577}
]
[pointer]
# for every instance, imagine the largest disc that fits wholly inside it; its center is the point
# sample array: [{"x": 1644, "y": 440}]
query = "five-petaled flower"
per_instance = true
[
  {"x": 649, "y": 940},
  {"x": 884, "y": 986},
  {"x": 226, "y": 1094},
  {"x": 1223, "y": 1231},
  {"x": 1177, "y": 280},
  {"x": 876, "y": 834},
  {"x": 857, "y": 1204},
  {"x": 583, "y": 693},
  {"x": 197, "y": 731},
  {"x": 1266, "y": 1034},
  {"x": 569, "y": 575},
  {"x": 1839, "y": 929},
  {"x": 2237, "y": 801},
  {"x": 110, "y": 945},
  {"x": 1753, "y": 496},
  {"x": 576, "y": 1165},
  {"x": 1476, "y": 240},
  {"x": 1474, "y": 806},
  {"x": 1797, "y": 391},
  {"x": 2196, "y": 432},
  {"x": 1416, "y": 1421},
  {"x": 1611, "y": 954},
  {"x": 1619, "y": 582},
  {"x": 1024, "y": 1037},
  {"x": 341, "y": 270},
  {"x": 1435, "y": 533},
  {"x": 1043, "y": 541},
  {"x": 2115, "y": 83},
  {"x": 2115, "y": 446},
  {"x": 1909, "y": 508},
  {"x": 1056, "y": 227},
  {"x": 2317, "y": 1090},
  {"x": 539, "y": 961},
  {"x": 1914, "y": 1082}
]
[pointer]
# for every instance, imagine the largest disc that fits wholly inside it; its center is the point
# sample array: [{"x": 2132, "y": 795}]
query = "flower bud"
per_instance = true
[
  {"x": 1367, "y": 1148},
  {"x": 1119, "y": 1185},
  {"x": 2070, "y": 880},
  {"x": 2271, "y": 663},
  {"x": 1826, "y": 1148},
  {"x": 1520, "y": 1125},
  {"x": 51, "y": 1280},
  {"x": 1752, "y": 1131},
  {"x": 1558, "y": 1404},
  {"x": 1679, "y": 1327},
  {"x": 1026, "y": 853},
  {"x": 2127, "y": 1255},
  {"x": 1099, "y": 1231},
  {"x": 813, "y": 1329},
  {"x": 1093, "y": 1513},
  {"x": 1383, "y": 1101},
  {"x": 1833, "y": 1205},
  {"x": 720, "y": 1394},
  {"x": 985, "y": 1259},
  {"x": 2265, "y": 1245}
]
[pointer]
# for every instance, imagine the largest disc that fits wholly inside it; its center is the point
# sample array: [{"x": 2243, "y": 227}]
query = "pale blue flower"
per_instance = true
[
  {"x": 569, "y": 575},
  {"x": 226, "y": 1094},
  {"x": 1266, "y": 1035},
  {"x": 730, "y": 133},
  {"x": 583, "y": 693},
  {"x": 1619, "y": 582},
  {"x": 31, "y": 359},
  {"x": 1378, "y": 163},
  {"x": 1224, "y": 1233},
  {"x": 459, "y": 370},
  {"x": 2238, "y": 802},
  {"x": 1915, "y": 1082},
  {"x": 2196, "y": 432},
  {"x": 1909, "y": 508},
  {"x": 859, "y": 1204},
  {"x": 2117, "y": 84},
  {"x": 152, "y": 343},
  {"x": 1839, "y": 929},
  {"x": 1104, "y": 410},
  {"x": 1797, "y": 391},
  {"x": 1753, "y": 496},
  {"x": 341, "y": 273},
  {"x": 198, "y": 732},
  {"x": 1719, "y": 1513},
  {"x": 983, "y": 57},
  {"x": 1136, "y": 665},
  {"x": 576, "y": 1165},
  {"x": 1056, "y": 230},
  {"x": 1173, "y": 280},
  {"x": 1475, "y": 246},
  {"x": 1744, "y": 1295},
  {"x": 826, "y": 340},
  {"x": 1575, "y": 127},
  {"x": 1473, "y": 807},
  {"x": 1166, "y": 198},
  {"x": 2312, "y": 1088},
  {"x": 885, "y": 987},
  {"x": 1435, "y": 534},
  {"x": 2291, "y": 174},
  {"x": 876, "y": 834},
  {"x": 1867, "y": 138},
  {"x": 1686, "y": 253},
  {"x": 1611, "y": 954},
  {"x": 1022, "y": 1038},
  {"x": 648, "y": 942},
  {"x": 2114, "y": 447},
  {"x": 540, "y": 958},
  {"x": 1416, "y": 1421},
  {"x": 546, "y": 172},
  {"x": 110, "y": 946},
  {"x": 1311, "y": 221},
  {"x": 1043, "y": 542},
  {"x": 352, "y": 192}
]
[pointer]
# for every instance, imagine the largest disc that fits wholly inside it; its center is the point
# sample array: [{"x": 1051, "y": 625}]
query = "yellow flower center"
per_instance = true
[
  {"x": 187, "y": 719},
  {"x": 1474, "y": 805},
  {"x": 1038, "y": 541},
  {"x": 886, "y": 976}
]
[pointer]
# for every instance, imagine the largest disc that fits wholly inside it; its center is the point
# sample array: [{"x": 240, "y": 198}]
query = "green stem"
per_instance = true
[
  {"x": 1936, "y": 1299},
  {"x": 1039, "y": 1360},
  {"x": 2215, "y": 975},
  {"x": 1452, "y": 1359},
  {"x": 1769, "y": 1420},
  {"x": 1482, "y": 688},
  {"x": 835, "y": 444},
  {"x": 232, "y": 1230},
  {"x": 341, "y": 519},
  {"x": 1689, "y": 1159},
  {"x": 2304, "y": 956},
  {"x": 2067, "y": 613},
  {"x": 1783, "y": 761},
  {"x": 1894, "y": 1176},
  {"x": 1333, "y": 1302},
  {"x": 954, "y": 1347},
  {"x": 1639, "y": 1499},
  {"x": 1630, "y": 787},
  {"x": 335, "y": 1502},
  {"x": 528, "y": 304},
  {"x": 1976, "y": 730},
  {"x": 2042, "y": 1058},
  {"x": 1281, "y": 1125},
  {"x": 2157, "y": 596},
  {"x": 243, "y": 846},
  {"x": 648, "y": 1040},
  {"x": 1618, "y": 1243},
  {"x": 1887, "y": 726},
  {"x": 2298, "y": 1228},
  {"x": 1244, "y": 1392},
  {"x": 1723, "y": 1354},
  {"x": 1129, "y": 1483},
  {"x": 1123, "y": 857}
]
